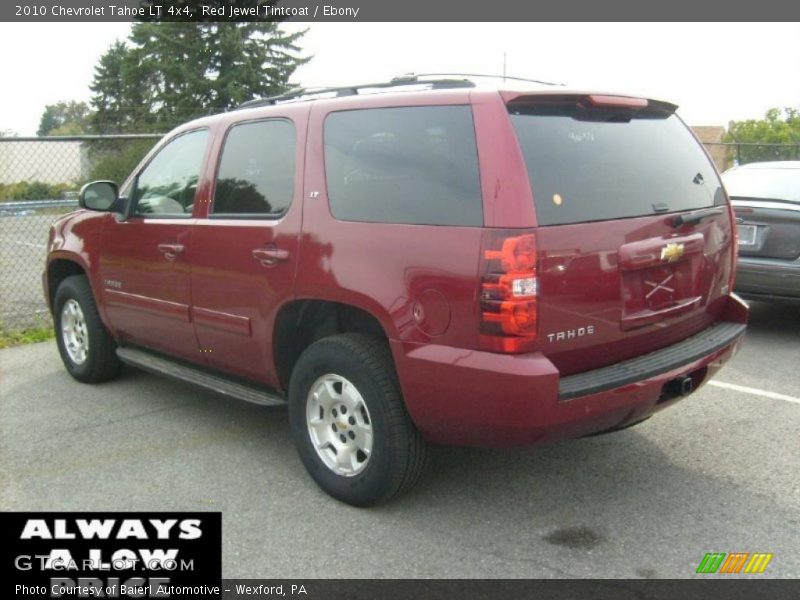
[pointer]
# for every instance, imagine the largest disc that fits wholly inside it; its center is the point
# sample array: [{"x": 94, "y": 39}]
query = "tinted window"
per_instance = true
[
  {"x": 168, "y": 183},
  {"x": 599, "y": 164},
  {"x": 256, "y": 172},
  {"x": 404, "y": 165}
]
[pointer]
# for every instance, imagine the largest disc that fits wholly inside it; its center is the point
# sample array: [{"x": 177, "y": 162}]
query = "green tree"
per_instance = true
[
  {"x": 170, "y": 72},
  {"x": 779, "y": 126},
  {"x": 118, "y": 89},
  {"x": 64, "y": 118}
]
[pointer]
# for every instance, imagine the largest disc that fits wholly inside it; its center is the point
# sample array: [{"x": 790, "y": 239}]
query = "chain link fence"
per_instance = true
[
  {"x": 39, "y": 180},
  {"x": 730, "y": 154}
]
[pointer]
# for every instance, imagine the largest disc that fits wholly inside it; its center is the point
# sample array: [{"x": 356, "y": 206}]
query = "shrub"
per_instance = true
[{"x": 34, "y": 190}]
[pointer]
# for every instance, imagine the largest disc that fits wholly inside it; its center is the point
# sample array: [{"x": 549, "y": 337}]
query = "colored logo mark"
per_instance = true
[{"x": 734, "y": 563}]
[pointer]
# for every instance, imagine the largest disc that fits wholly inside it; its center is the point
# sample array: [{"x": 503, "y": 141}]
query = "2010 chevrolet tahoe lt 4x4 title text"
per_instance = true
[{"x": 435, "y": 263}]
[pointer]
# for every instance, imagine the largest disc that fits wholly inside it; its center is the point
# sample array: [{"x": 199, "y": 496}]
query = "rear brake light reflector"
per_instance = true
[
  {"x": 509, "y": 290},
  {"x": 526, "y": 286}
]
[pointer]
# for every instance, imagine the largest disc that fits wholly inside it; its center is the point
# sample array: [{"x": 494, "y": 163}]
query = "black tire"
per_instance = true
[
  {"x": 398, "y": 452},
  {"x": 101, "y": 362}
]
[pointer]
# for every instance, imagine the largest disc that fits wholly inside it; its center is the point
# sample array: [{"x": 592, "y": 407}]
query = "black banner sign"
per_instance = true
[
  {"x": 443, "y": 11},
  {"x": 511, "y": 589},
  {"x": 112, "y": 555}
]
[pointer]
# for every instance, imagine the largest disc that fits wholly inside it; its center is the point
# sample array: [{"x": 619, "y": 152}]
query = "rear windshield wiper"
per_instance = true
[{"x": 696, "y": 216}]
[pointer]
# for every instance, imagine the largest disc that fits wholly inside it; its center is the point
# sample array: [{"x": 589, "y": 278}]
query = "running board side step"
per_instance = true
[{"x": 196, "y": 376}]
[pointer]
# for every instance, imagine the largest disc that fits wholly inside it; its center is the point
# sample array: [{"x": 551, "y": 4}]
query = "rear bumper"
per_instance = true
[
  {"x": 466, "y": 397},
  {"x": 768, "y": 278}
]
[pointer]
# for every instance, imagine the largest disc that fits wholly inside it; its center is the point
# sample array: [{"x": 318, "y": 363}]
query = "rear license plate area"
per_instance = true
[
  {"x": 658, "y": 293},
  {"x": 657, "y": 287},
  {"x": 746, "y": 235}
]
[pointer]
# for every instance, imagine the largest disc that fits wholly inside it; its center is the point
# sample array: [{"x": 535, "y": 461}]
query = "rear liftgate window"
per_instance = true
[
  {"x": 600, "y": 163},
  {"x": 416, "y": 165}
]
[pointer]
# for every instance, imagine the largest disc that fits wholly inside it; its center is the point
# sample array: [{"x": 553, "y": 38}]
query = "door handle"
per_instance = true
[
  {"x": 270, "y": 257},
  {"x": 170, "y": 251}
]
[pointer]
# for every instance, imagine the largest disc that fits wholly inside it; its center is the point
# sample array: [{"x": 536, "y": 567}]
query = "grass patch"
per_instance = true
[{"x": 25, "y": 336}]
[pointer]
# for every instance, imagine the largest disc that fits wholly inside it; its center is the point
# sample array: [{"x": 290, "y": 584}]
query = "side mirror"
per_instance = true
[{"x": 98, "y": 195}]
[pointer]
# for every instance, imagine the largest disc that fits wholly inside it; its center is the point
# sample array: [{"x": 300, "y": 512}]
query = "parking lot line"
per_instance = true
[{"x": 754, "y": 391}]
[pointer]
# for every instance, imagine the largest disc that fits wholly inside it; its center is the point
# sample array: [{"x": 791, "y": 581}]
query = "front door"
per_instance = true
[
  {"x": 245, "y": 252},
  {"x": 145, "y": 260}
]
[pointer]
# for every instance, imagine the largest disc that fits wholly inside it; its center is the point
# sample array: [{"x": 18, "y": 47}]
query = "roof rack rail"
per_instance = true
[
  {"x": 489, "y": 77},
  {"x": 353, "y": 90}
]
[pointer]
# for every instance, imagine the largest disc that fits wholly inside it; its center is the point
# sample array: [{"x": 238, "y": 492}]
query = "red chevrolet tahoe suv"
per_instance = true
[{"x": 423, "y": 261}]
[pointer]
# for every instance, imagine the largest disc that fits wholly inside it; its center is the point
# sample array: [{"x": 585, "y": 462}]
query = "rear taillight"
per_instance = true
[{"x": 509, "y": 291}]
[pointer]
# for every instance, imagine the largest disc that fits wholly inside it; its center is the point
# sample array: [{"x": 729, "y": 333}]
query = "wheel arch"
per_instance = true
[
  {"x": 59, "y": 267},
  {"x": 302, "y": 322}
]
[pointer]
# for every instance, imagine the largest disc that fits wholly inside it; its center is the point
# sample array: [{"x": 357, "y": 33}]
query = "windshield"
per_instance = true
[
  {"x": 776, "y": 183},
  {"x": 599, "y": 164}
]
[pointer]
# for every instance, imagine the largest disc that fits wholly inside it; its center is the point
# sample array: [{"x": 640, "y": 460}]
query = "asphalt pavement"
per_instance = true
[{"x": 719, "y": 472}]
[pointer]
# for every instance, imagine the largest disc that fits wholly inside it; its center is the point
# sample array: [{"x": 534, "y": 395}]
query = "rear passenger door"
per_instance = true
[{"x": 245, "y": 251}]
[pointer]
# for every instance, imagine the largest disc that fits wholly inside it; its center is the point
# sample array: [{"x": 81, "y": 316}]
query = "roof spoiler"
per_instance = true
[{"x": 589, "y": 100}]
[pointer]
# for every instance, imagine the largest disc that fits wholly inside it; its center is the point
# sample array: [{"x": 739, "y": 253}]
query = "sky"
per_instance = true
[{"x": 715, "y": 72}]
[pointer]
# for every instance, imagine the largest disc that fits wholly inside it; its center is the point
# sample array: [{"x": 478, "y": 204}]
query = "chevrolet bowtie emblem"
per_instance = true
[{"x": 671, "y": 252}]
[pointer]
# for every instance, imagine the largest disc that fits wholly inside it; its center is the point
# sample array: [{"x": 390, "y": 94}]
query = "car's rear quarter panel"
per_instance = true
[{"x": 419, "y": 281}]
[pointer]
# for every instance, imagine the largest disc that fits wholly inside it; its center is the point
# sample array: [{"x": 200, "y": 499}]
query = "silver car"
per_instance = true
[{"x": 766, "y": 198}]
